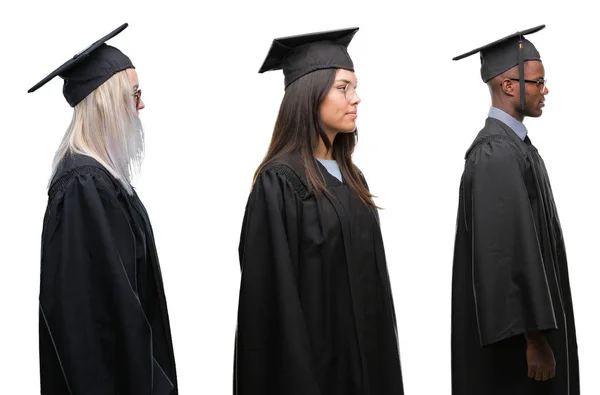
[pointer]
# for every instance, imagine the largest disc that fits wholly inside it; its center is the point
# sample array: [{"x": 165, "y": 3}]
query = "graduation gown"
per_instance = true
[
  {"x": 103, "y": 321},
  {"x": 315, "y": 311},
  {"x": 510, "y": 272}
]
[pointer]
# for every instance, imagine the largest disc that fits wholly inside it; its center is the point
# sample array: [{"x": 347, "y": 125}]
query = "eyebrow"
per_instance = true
[
  {"x": 346, "y": 81},
  {"x": 135, "y": 87}
]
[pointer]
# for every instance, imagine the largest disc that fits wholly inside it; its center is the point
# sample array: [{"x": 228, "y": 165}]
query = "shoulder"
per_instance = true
[
  {"x": 495, "y": 160},
  {"x": 81, "y": 171},
  {"x": 494, "y": 139},
  {"x": 493, "y": 146},
  {"x": 288, "y": 172},
  {"x": 290, "y": 163}
]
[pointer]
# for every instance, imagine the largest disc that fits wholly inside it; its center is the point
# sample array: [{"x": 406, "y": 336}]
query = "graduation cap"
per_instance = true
[
  {"x": 303, "y": 54},
  {"x": 89, "y": 69},
  {"x": 506, "y": 53}
]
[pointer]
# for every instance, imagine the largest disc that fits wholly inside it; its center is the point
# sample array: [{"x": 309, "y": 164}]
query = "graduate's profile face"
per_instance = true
[
  {"x": 339, "y": 108},
  {"x": 534, "y": 95},
  {"x": 135, "y": 90}
]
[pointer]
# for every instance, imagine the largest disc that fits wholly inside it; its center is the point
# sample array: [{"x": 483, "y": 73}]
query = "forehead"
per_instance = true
[
  {"x": 343, "y": 74},
  {"x": 133, "y": 77},
  {"x": 534, "y": 67}
]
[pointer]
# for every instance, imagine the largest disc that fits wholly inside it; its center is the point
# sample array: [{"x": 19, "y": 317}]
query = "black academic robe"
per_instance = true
[
  {"x": 104, "y": 326},
  {"x": 316, "y": 315},
  {"x": 510, "y": 272}
]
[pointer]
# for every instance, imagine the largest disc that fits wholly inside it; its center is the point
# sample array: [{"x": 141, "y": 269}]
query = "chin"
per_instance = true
[
  {"x": 349, "y": 128},
  {"x": 535, "y": 114}
]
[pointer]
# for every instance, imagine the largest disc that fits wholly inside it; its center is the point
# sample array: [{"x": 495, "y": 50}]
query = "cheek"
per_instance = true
[
  {"x": 333, "y": 112},
  {"x": 533, "y": 92},
  {"x": 533, "y": 98}
]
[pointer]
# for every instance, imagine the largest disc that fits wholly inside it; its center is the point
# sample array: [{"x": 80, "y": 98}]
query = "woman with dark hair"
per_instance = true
[{"x": 316, "y": 314}]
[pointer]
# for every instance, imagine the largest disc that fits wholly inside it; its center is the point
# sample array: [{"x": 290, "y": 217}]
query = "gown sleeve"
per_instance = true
[
  {"x": 273, "y": 353},
  {"x": 509, "y": 280},
  {"x": 89, "y": 308}
]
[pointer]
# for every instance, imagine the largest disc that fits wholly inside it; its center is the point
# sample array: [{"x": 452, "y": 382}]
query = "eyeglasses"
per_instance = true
[
  {"x": 137, "y": 97},
  {"x": 541, "y": 83},
  {"x": 349, "y": 90}
]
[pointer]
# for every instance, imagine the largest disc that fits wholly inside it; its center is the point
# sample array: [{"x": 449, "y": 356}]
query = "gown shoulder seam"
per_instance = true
[
  {"x": 484, "y": 140},
  {"x": 61, "y": 183},
  {"x": 498, "y": 137},
  {"x": 295, "y": 180}
]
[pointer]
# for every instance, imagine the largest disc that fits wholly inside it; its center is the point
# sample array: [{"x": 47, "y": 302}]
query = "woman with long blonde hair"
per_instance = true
[{"x": 104, "y": 325}]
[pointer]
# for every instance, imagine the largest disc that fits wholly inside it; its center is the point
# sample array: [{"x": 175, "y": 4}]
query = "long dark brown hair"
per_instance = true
[{"x": 299, "y": 126}]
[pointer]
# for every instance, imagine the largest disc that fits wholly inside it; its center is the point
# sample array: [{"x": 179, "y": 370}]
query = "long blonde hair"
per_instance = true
[{"x": 106, "y": 127}]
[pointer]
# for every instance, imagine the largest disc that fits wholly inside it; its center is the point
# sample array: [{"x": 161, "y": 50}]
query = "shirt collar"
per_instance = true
[{"x": 511, "y": 122}]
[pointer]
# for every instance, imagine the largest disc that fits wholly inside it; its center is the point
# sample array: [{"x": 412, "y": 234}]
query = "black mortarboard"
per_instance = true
[
  {"x": 89, "y": 69},
  {"x": 506, "y": 53},
  {"x": 303, "y": 54}
]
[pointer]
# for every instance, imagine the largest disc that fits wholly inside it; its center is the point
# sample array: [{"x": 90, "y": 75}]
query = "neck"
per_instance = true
[
  {"x": 508, "y": 108},
  {"x": 322, "y": 152}
]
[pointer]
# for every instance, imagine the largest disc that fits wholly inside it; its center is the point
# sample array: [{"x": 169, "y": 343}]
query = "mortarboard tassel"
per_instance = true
[{"x": 521, "y": 75}]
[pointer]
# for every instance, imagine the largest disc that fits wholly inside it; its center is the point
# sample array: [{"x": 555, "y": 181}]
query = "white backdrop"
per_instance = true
[{"x": 208, "y": 120}]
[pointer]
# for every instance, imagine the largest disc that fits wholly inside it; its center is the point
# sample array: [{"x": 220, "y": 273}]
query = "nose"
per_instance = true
[
  {"x": 545, "y": 92},
  {"x": 141, "y": 105},
  {"x": 355, "y": 99}
]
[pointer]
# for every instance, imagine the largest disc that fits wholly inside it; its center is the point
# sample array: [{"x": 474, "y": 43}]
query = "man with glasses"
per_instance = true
[{"x": 513, "y": 329}]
